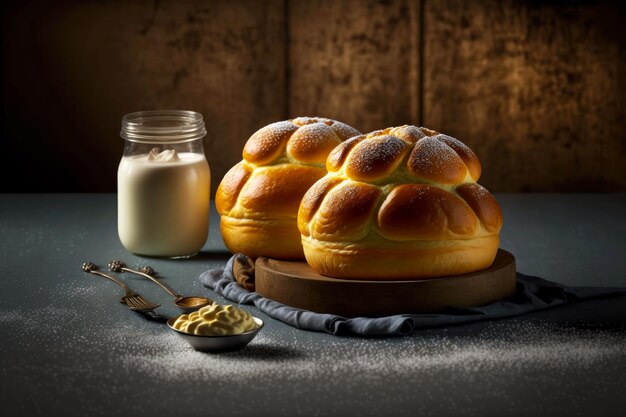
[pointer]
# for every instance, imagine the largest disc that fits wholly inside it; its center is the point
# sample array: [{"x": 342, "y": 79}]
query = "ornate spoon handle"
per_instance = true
[
  {"x": 91, "y": 268},
  {"x": 146, "y": 272}
]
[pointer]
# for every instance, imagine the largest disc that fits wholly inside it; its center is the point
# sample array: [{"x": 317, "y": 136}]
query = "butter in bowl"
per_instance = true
[{"x": 216, "y": 328}]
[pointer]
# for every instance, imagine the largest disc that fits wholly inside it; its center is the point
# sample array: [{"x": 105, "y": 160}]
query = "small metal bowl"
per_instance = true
[{"x": 216, "y": 344}]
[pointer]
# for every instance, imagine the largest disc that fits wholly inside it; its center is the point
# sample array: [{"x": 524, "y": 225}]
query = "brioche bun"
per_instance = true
[
  {"x": 258, "y": 198},
  {"x": 399, "y": 203}
]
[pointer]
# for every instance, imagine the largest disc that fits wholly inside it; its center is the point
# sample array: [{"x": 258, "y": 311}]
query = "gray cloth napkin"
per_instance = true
[{"x": 532, "y": 294}]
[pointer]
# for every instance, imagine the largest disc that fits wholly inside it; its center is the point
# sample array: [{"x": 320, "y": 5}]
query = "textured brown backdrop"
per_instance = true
[{"x": 537, "y": 89}]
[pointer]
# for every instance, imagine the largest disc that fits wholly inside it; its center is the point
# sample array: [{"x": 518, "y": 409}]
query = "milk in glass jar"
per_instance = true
[{"x": 163, "y": 184}]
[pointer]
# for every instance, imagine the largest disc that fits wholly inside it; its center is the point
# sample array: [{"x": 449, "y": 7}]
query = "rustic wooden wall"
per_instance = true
[
  {"x": 357, "y": 61},
  {"x": 537, "y": 89},
  {"x": 74, "y": 68}
]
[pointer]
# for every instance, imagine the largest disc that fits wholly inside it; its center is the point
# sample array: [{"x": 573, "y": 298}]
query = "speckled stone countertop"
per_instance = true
[{"x": 68, "y": 347}]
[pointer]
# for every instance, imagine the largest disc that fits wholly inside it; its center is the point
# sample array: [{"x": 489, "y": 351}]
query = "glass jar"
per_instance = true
[{"x": 163, "y": 184}]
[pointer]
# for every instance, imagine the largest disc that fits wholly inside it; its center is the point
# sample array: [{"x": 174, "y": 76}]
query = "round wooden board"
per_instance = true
[{"x": 297, "y": 285}]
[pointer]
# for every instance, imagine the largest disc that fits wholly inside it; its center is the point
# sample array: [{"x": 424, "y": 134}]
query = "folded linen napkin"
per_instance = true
[{"x": 532, "y": 294}]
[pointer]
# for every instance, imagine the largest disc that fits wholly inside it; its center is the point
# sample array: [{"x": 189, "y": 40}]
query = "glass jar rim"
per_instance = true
[{"x": 163, "y": 126}]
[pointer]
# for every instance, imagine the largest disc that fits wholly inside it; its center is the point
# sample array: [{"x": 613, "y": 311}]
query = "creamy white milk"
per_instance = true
[{"x": 163, "y": 203}]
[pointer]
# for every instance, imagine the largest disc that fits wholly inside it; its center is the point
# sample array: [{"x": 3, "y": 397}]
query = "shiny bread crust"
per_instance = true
[
  {"x": 258, "y": 199},
  {"x": 399, "y": 203}
]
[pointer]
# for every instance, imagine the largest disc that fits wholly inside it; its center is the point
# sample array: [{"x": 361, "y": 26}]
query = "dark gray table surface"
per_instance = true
[{"x": 68, "y": 347}]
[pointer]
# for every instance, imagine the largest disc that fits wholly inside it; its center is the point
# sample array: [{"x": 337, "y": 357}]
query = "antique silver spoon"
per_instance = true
[
  {"x": 186, "y": 304},
  {"x": 133, "y": 300}
]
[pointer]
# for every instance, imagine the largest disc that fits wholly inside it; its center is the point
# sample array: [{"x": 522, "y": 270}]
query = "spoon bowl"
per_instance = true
[
  {"x": 185, "y": 304},
  {"x": 190, "y": 304}
]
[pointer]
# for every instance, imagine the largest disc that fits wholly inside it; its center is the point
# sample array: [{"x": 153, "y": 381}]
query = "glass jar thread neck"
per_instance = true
[{"x": 163, "y": 126}]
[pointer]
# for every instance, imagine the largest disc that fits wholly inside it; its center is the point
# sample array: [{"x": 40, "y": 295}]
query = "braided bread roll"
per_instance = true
[
  {"x": 258, "y": 198},
  {"x": 400, "y": 203}
]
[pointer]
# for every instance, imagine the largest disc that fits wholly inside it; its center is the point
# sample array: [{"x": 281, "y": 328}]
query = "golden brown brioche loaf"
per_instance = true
[
  {"x": 399, "y": 203},
  {"x": 258, "y": 198}
]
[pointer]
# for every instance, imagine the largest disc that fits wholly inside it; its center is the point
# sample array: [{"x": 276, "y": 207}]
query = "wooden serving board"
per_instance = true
[{"x": 297, "y": 285}]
